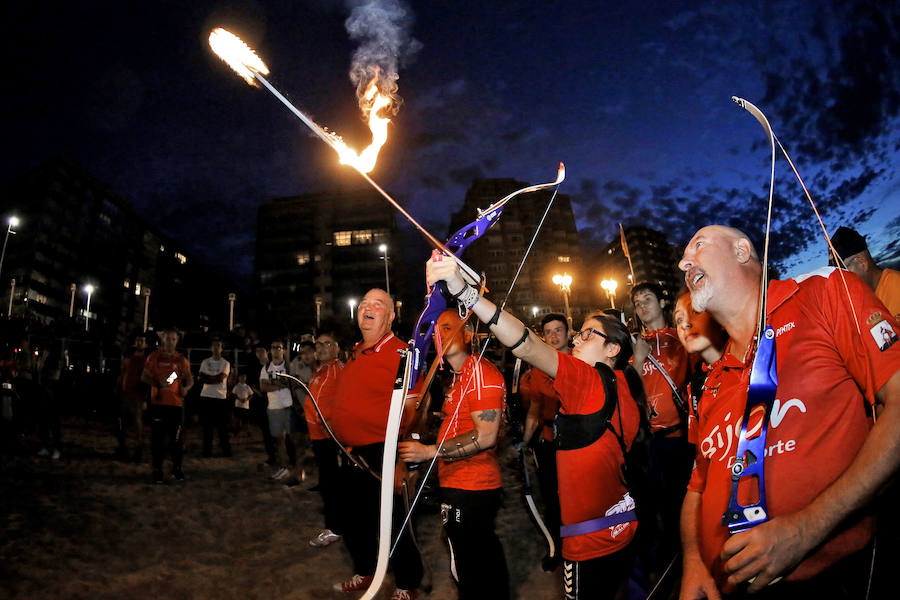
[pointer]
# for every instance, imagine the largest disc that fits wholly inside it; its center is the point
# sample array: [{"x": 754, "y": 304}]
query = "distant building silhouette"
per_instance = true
[
  {"x": 653, "y": 257},
  {"x": 75, "y": 230},
  {"x": 499, "y": 252},
  {"x": 325, "y": 246}
]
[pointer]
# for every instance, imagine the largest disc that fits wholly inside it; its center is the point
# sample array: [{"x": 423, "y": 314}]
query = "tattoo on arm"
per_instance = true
[{"x": 489, "y": 416}]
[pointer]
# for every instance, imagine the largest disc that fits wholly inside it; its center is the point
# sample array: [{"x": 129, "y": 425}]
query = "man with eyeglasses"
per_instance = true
[
  {"x": 671, "y": 456},
  {"x": 359, "y": 419},
  {"x": 537, "y": 390},
  {"x": 323, "y": 387},
  {"x": 279, "y": 411}
]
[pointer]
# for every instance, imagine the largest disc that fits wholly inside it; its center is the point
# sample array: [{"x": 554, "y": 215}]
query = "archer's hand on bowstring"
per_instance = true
[{"x": 443, "y": 268}]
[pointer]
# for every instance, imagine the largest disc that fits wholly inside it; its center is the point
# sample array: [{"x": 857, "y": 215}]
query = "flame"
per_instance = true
[
  {"x": 374, "y": 102},
  {"x": 237, "y": 54}
]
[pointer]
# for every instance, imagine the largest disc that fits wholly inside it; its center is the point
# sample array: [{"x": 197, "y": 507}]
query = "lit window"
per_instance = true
[
  {"x": 362, "y": 236},
  {"x": 303, "y": 258},
  {"x": 137, "y": 289},
  {"x": 126, "y": 284},
  {"x": 564, "y": 259},
  {"x": 342, "y": 238},
  {"x": 180, "y": 257}
]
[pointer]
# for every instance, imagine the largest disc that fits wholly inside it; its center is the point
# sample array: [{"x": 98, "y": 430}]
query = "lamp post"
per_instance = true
[
  {"x": 72, "y": 288},
  {"x": 610, "y": 286},
  {"x": 11, "y": 222},
  {"x": 231, "y": 298},
  {"x": 534, "y": 312},
  {"x": 319, "y": 313},
  {"x": 564, "y": 282},
  {"x": 352, "y": 304},
  {"x": 387, "y": 278},
  {"x": 146, "y": 293},
  {"x": 88, "y": 289},
  {"x": 398, "y": 305},
  {"x": 12, "y": 292}
]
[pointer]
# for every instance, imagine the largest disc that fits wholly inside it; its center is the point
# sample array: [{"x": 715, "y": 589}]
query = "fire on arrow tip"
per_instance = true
[{"x": 238, "y": 55}]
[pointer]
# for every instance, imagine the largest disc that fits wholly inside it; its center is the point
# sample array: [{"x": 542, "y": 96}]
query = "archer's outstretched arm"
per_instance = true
[{"x": 507, "y": 329}]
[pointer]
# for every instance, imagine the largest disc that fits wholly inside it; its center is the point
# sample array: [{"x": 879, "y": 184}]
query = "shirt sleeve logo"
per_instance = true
[{"x": 883, "y": 334}]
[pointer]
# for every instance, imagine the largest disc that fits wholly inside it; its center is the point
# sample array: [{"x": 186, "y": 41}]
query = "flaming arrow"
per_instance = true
[{"x": 245, "y": 62}]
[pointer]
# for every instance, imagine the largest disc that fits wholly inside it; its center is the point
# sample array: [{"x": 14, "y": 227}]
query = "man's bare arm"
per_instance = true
[{"x": 696, "y": 580}]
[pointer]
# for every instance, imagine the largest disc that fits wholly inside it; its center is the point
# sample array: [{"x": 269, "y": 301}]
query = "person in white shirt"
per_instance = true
[
  {"x": 242, "y": 394},
  {"x": 282, "y": 419},
  {"x": 215, "y": 409}
]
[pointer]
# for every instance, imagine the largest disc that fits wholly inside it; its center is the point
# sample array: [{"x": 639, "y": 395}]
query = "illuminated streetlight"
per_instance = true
[
  {"x": 12, "y": 222},
  {"x": 387, "y": 278},
  {"x": 564, "y": 282},
  {"x": 534, "y": 312},
  {"x": 88, "y": 289},
  {"x": 610, "y": 286},
  {"x": 319, "y": 313},
  {"x": 352, "y": 304}
]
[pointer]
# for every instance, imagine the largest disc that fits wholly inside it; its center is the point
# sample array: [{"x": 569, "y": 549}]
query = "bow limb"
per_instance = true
[
  {"x": 388, "y": 466},
  {"x": 528, "y": 494},
  {"x": 356, "y": 461}
]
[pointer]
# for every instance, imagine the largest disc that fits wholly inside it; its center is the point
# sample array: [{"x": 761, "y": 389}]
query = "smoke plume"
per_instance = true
[{"x": 383, "y": 30}]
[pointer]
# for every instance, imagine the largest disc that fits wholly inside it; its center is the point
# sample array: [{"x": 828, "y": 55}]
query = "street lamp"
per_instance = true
[
  {"x": 146, "y": 293},
  {"x": 88, "y": 289},
  {"x": 564, "y": 282},
  {"x": 319, "y": 313},
  {"x": 12, "y": 222},
  {"x": 72, "y": 288},
  {"x": 534, "y": 312},
  {"x": 387, "y": 278},
  {"x": 231, "y": 298},
  {"x": 352, "y": 304},
  {"x": 610, "y": 286}
]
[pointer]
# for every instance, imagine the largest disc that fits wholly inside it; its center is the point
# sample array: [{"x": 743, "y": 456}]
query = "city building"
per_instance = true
[
  {"x": 317, "y": 254},
  {"x": 79, "y": 242},
  {"x": 556, "y": 251},
  {"x": 652, "y": 257}
]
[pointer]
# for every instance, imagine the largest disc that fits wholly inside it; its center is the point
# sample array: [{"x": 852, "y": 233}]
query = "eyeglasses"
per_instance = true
[
  {"x": 277, "y": 347},
  {"x": 586, "y": 334}
]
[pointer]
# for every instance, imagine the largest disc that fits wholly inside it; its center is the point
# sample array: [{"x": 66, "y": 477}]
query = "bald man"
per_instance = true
[
  {"x": 359, "y": 419},
  {"x": 824, "y": 459}
]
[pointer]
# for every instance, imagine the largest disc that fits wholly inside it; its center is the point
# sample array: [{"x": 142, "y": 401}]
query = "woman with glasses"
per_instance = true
[{"x": 601, "y": 413}]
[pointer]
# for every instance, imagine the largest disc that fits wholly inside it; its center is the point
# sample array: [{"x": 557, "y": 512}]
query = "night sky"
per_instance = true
[{"x": 633, "y": 97}]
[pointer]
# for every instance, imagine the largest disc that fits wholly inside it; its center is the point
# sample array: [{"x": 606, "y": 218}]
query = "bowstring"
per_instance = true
[{"x": 475, "y": 370}]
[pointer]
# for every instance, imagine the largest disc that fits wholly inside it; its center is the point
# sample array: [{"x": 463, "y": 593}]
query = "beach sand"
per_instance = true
[{"x": 90, "y": 526}]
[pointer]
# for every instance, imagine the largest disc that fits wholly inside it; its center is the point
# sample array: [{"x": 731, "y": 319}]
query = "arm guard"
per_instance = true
[{"x": 462, "y": 446}]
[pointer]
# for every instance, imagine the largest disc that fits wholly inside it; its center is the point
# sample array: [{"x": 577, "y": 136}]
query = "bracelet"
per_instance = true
[
  {"x": 521, "y": 341},
  {"x": 496, "y": 317}
]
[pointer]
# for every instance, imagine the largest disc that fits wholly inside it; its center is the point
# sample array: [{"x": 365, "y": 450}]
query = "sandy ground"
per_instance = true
[{"x": 90, "y": 526}]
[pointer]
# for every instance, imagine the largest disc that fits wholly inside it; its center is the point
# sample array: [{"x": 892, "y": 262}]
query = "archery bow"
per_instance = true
[
  {"x": 461, "y": 240},
  {"x": 353, "y": 459}
]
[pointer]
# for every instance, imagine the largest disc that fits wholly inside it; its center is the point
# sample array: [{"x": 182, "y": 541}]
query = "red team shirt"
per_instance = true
[
  {"x": 363, "y": 395},
  {"x": 818, "y": 421},
  {"x": 478, "y": 386},
  {"x": 537, "y": 386},
  {"x": 667, "y": 349},
  {"x": 590, "y": 478},
  {"x": 323, "y": 386},
  {"x": 160, "y": 366}
]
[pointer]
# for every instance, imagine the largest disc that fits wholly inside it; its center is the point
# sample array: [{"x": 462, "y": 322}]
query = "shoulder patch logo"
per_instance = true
[{"x": 883, "y": 334}]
